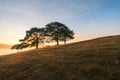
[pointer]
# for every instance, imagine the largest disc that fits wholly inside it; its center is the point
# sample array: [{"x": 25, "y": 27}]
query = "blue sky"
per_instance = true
[{"x": 87, "y": 18}]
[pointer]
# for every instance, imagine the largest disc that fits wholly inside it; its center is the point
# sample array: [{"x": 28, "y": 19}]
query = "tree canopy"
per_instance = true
[
  {"x": 59, "y": 32},
  {"x": 54, "y": 31}
]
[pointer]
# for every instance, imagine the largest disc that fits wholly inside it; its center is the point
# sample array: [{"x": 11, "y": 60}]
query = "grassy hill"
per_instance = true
[{"x": 97, "y": 59}]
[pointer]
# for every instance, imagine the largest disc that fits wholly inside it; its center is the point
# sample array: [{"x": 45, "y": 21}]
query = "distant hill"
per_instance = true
[
  {"x": 97, "y": 59},
  {"x": 4, "y": 46}
]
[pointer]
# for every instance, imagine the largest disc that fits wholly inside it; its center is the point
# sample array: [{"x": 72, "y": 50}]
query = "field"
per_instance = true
[{"x": 97, "y": 59}]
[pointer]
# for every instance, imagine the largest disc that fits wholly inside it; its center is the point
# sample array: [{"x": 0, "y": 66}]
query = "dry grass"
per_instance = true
[{"x": 97, "y": 59}]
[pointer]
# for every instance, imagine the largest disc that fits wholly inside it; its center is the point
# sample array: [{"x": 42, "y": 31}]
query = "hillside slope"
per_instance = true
[{"x": 97, "y": 59}]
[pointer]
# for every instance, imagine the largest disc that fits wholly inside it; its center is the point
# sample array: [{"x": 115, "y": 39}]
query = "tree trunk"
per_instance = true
[
  {"x": 65, "y": 42},
  {"x": 57, "y": 42},
  {"x": 36, "y": 46},
  {"x": 37, "y": 43}
]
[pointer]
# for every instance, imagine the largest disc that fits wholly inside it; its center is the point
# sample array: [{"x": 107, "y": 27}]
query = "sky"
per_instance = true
[{"x": 87, "y": 18}]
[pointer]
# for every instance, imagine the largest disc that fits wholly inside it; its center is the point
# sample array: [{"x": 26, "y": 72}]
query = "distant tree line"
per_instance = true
[{"x": 54, "y": 31}]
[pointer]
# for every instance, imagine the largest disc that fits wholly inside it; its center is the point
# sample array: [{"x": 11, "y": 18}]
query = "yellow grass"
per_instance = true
[{"x": 97, "y": 59}]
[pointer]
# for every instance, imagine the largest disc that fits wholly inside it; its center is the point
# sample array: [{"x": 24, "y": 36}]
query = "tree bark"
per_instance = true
[
  {"x": 65, "y": 42},
  {"x": 37, "y": 43},
  {"x": 36, "y": 46},
  {"x": 57, "y": 42}
]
